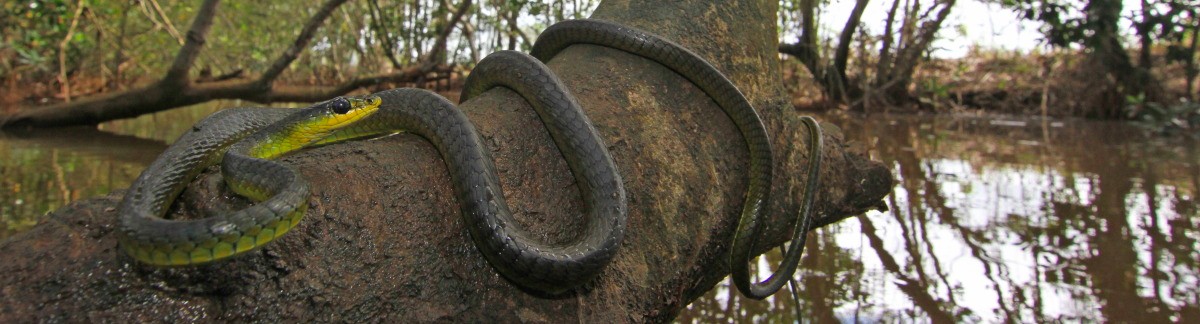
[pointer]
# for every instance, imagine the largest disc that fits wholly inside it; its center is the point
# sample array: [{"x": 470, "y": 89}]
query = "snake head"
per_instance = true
[
  {"x": 314, "y": 125},
  {"x": 343, "y": 105},
  {"x": 342, "y": 111}
]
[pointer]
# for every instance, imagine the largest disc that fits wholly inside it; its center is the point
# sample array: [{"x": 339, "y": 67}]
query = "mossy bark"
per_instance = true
[{"x": 384, "y": 240}]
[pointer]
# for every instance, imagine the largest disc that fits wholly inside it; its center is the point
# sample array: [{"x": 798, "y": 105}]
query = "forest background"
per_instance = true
[{"x": 89, "y": 61}]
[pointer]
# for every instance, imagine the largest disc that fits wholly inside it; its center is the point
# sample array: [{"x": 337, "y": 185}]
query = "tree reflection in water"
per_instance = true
[
  {"x": 42, "y": 170},
  {"x": 993, "y": 220}
]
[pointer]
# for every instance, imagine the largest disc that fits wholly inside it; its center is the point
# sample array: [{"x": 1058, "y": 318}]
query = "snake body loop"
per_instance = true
[
  {"x": 281, "y": 192},
  {"x": 738, "y": 108},
  {"x": 510, "y": 249}
]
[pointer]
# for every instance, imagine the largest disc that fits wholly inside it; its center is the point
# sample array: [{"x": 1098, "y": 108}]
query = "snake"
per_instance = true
[
  {"x": 245, "y": 140},
  {"x": 255, "y": 134},
  {"x": 739, "y": 109}
]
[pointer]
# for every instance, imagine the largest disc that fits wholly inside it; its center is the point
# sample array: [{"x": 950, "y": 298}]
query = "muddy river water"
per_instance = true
[{"x": 993, "y": 219}]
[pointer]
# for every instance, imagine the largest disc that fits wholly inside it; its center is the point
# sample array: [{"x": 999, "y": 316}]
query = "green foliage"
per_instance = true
[
  {"x": 933, "y": 92},
  {"x": 1182, "y": 117},
  {"x": 1067, "y": 22},
  {"x": 1097, "y": 24},
  {"x": 30, "y": 30},
  {"x": 1063, "y": 25},
  {"x": 936, "y": 89},
  {"x": 126, "y": 40}
]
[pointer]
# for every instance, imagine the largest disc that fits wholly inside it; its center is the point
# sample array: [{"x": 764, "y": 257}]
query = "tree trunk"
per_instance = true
[
  {"x": 832, "y": 80},
  {"x": 908, "y": 56},
  {"x": 1144, "y": 27},
  {"x": 383, "y": 239},
  {"x": 842, "y": 54},
  {"x": 1107, "y": 49}
]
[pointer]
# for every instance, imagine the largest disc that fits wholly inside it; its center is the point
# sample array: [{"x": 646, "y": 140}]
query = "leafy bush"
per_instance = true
[{"x": 1182, "y": 117}]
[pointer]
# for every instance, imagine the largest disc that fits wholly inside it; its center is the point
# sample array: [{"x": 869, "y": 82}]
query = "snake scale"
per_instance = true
[{"x": 244, "y": 140}]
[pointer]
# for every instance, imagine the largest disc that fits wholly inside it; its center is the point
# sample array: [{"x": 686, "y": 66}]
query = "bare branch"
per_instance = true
[
  {"x": 176, "y": 90},
  {"x": 843, "y": 51},
  {"x": 516, "y": 29},
  {"x": 62, "y": 51},
  {"x": 306, "y": 35},
  {"x": 384, "y": 33},
  {"x": 310, "y": 94},
  {"x": 177, "y": 74},
  {"x": 167, "y": 22},
  {"x": 439, "y": 45}
]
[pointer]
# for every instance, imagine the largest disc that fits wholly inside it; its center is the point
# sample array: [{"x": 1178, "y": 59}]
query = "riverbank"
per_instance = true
[{"x": 1057, "y": 84}]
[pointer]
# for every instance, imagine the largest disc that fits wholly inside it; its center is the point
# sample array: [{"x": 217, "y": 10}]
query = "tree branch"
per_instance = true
[
  {"x": 439, "y": 45},
  {"x": 383, "y": 32},
  {"x": 166, "y": 21},
  {"x": 843, "y": 50},
  {"x": 177, "y": 74},
  {"x": 62, "y": 51},
  {"x": 909, "y": 56},
  {"x": 884, "y": 67},
  {"x": 176, "y": 90},
  {"x": 516, "y": 29},
  {"x": 306, "y": 35},
  {"x": 311, "y": 94}
]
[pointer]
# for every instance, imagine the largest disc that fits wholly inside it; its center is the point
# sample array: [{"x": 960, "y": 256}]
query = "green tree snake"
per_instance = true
[{"x": 244, "y": 140}]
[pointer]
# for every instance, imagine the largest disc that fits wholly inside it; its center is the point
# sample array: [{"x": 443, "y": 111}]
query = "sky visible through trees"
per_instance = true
[{"x": 972, "y": 23}]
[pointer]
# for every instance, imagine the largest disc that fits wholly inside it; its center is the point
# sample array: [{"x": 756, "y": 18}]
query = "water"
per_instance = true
[
  {"x": 1003, "y": 220},
  {"x": 43, "y": 170},
  {"x": 992, "y": 219}
]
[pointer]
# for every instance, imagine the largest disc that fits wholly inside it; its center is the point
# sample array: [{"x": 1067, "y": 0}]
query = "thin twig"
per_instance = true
[
  {"x": 167, "y": 22},
  {"x": 62, "y": 52}
]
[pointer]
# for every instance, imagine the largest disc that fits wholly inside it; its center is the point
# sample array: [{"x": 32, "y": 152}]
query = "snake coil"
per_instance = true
[{"x": 245, "y": 140}]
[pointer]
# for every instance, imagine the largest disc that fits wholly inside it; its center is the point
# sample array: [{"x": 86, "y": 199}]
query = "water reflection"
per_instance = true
[
  {"x": 1003, "y": 221},
  {"x": 43, "y": 170}
]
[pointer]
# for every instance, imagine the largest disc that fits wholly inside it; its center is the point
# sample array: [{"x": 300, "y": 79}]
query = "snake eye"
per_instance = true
[{"x": 340, "y": 106}]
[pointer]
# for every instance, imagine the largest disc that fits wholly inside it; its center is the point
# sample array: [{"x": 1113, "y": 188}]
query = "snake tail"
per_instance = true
[{"x": 749, "y": 230}]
